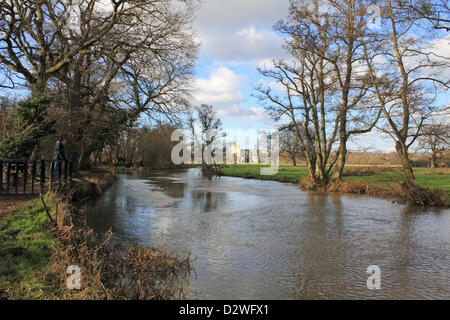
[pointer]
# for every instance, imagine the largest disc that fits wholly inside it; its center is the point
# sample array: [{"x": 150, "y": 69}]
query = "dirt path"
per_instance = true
[{"x": 9, "y": 202}]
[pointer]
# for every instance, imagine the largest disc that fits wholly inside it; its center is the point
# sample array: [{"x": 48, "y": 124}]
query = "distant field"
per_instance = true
[
  {"x": 377, "y": 174},
  {"x": 288, "y": 172}
]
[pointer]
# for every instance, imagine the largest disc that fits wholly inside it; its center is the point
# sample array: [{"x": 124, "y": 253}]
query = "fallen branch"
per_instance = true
[{"x": 46, "y": 209}]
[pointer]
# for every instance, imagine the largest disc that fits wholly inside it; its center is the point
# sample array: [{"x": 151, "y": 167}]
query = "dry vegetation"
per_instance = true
[
  {"x": 37, "y": 269},
  {"x": 396, "y": 190},
  {"x": 109, "y": 272}
]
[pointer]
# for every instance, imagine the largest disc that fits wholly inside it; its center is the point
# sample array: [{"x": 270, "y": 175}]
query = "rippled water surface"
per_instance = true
[{"x": 255, "y": 239}]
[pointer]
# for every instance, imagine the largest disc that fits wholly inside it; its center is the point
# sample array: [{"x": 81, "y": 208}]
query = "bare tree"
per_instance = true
[
  {"x": 37, "y": 40},
  {"x": 208, "y": 121},
  {"x": 435, "y": 11},
  {"x": 144, "y": 66},
  {"x": 326, "y": 90},
  {"x": 435, "y": 139},
  {"x": 6, "y": 78},
  {"x": 88, "y": 54},
  {"x": 289, "y": 143},
  {"x": 205, "y": 129},
  {"x": 304, "y": 105},
  {"x": 399, "y": 72},
  {"x": 358, "y": 112}
]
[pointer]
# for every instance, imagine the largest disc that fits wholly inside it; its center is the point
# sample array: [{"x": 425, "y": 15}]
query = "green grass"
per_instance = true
[
  {"x": 25, "y": 244},
  {"x": 424, "y": 177},
  {"x": 289, "y": 173},
  {"x": 24, "y": 251},
  {"x": 286, "y": 173}
]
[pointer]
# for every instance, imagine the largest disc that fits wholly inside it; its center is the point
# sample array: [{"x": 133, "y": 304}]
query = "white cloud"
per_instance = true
[
  {"x": 241, "y": 112},
  {"x": 273, "y": 85},
  {"x": 234, "y": 15},
  {"x": 221, "y": 88},
  {"x": 248, "y": 45},
  {"x": 374, "y": 140},
  {"x": 265, "y": 63},
  {"x": 259, "y": 114},
  {"x": 440, "y": 54},
  {"x": 239, "y": 32},
  {"x": 441, "y": 46}
]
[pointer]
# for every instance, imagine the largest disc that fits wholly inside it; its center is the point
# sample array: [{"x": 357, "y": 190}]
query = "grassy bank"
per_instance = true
[
  {"x": 286, "y": 173},
  {"x": 380, "y": 180},
  {"x": 37, "y": 246},
  {"x": 26, "y": 240},
  {"x": 25, "y": 250}
]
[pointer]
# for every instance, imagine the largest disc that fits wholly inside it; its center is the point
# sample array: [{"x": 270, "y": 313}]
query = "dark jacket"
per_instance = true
[{"x": 60, "y": 153}]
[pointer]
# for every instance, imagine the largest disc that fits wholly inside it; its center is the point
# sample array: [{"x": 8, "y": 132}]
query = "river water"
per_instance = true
[{"x": 253, "y": 239}]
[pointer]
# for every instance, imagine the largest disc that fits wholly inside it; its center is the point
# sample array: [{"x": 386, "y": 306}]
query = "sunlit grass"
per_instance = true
[
  {"x": 25, "y": 250},
  {"x": 437, "y": 178},
  {"x": 286, "y": 173}
]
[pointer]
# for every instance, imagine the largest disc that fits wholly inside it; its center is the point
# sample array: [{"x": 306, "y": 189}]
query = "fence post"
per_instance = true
[
  {"x": 11, "y": 178},
  {"x": 16, "y": 177},
  {"x": 25, "y": 176},
  {"x": 1, "y": 176},
  {"x": 33, "y": 176},
  {"x": 8, "y": 177},
  {"x": 42, "y": 174},
  {"x": 52, "y": 173}
]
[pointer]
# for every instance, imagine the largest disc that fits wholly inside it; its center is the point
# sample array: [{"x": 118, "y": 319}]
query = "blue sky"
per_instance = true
[{"x": 236, "y": 37}]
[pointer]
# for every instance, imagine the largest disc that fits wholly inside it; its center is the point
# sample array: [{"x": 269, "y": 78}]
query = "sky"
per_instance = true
[{"x": 236, "y": 37}]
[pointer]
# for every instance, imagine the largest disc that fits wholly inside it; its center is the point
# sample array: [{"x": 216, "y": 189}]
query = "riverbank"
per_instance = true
[
  {"x": 40, "y": 239},
  {"x": 379, "y": 181}
]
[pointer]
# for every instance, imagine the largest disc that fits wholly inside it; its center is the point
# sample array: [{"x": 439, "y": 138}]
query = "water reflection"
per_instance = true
[{"x": 267, "y": 240}]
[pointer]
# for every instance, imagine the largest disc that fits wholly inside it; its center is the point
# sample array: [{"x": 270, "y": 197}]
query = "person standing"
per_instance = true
[{"x": 60, "y": 155}]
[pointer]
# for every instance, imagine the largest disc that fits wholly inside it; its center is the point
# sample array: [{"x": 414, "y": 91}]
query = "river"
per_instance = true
[{"x": 253, "y": 239}]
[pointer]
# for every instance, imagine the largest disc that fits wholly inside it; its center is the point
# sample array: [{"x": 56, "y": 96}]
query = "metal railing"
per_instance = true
[{"x": 32, "y": 176}]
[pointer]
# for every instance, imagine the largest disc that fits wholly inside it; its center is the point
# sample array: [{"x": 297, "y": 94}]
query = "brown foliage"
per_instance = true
[
  {"x": 110, "y": 272},
  {"x": 424, "y": 196},
  {"x": 308, "y": 184},
  {"x": 362, "y": 187},
  {"x": 398, "y": 191}
]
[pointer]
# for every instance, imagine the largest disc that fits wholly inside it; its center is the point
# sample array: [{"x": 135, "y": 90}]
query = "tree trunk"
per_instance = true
[
  {"x": 342, "y": 152},
  {"x": 84, "y": 161},
  {"x": 40, "y": 84},
  {"x": 294, "y": 161},
  {"x": 340, "y": 164},
  {"x": 322, "y": 177},
  {"x": 433, "y": 160},
  {"x": 75, "y": 93},
  {"x": 402, "y": 151}
]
